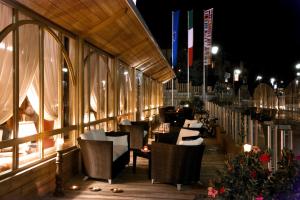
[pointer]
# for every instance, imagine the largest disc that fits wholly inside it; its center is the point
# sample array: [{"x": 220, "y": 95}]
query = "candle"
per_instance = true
[{"x": 59, "y": 144}]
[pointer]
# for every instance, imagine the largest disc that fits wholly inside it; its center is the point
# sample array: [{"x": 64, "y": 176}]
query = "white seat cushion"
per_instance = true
[
  {"x": 187, "y": 122},
  {"x": 119, "y": 150},
  {"x": 196, "y": 125},
  {"x": 125, "y": 122},
  {"x": 94, "y": 135},
  {"x": 119, "y": 140},
  {"x": 186, "y": 133},
  {"x": 197, "y": 141}
]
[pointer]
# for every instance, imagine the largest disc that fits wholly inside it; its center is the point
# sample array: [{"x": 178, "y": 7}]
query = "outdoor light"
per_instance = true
[
  {"x": 272, "y": 80},
  {"x": 65, "y": 69},
  {"x": 214, "y": 49},
  {"x": 247, "y": 147},
  {"x": 298, "y": 74},
  {"x": 258, "y": 78},
  {"x": 236, "y": 74},
  {"x": 298, "y": 66}
]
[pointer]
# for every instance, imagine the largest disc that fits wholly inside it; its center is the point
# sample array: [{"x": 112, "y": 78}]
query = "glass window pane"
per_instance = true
[
  {"x": 103, "y": 86},
  {"x": 111, "y": 88},
  {"x": 5, "y": 159}
]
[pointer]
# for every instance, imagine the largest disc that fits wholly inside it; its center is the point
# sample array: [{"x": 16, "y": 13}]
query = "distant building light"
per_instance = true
[
  {"x": 65, "y": 69},
  {"x": 272, "y": 80},
  {"x": 298, "y": 73},
  {"x": 298, "y": 66},
  {"x": 214, "y": 49},
  {"x": 258, "y": 78}
]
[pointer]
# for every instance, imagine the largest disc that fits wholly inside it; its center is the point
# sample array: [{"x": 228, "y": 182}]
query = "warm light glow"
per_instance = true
[
  {"x": 152, "y": 106},
  {"x": 2, "y": 45},
  {"x": 150, "y": 118},
  {"x": 142, "y": 118},
  {"x": 125, "y": 73},
  {"x": 110, "y": 115},
  {"x": 26, "y": 128},
  {"x": 214, "y": 49},
  {"x": 146, "y": 107},
  {"x": 86, "y": 117},
  {"x": 297, "y": 82},
  {"x": 59, "y": 144},
  {"x": 247, "y": 147},
  {"x": 9, "y": 48}
]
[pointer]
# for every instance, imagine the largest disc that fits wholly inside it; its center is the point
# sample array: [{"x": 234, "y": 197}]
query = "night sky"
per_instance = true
[{"x": 264, "y": 34}]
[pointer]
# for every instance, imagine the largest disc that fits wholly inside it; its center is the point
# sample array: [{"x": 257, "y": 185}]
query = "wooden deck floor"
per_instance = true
[{"x": 138, "y": 186}]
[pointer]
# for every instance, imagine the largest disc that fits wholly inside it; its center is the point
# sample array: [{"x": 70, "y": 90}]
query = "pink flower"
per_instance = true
[
  {"x": 212, "y": 192},
  {"x": 259, "y": 198}
]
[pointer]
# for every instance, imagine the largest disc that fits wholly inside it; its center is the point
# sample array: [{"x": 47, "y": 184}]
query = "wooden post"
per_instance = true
[{"x": 59, "y": 189}]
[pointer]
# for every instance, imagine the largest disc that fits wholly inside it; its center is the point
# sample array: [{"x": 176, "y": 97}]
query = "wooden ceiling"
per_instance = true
[{"x": 112, "y": 25}]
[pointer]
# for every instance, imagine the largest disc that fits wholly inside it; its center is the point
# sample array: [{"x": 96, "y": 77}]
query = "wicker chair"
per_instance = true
[
  {"x": 176, "y": 164},
  {"x": 97, "y": 157}
]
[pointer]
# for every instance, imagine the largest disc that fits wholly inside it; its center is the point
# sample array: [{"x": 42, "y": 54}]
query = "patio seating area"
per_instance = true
[{"x": 138, "y": 185}]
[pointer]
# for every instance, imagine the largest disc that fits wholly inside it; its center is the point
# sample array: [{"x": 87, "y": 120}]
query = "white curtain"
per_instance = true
[
  {"x": 6, "y": 67},
  {"x": 94, "y": 79},
  {"x": 28, "y": 62},
  {"x": 51, "y": 66}
]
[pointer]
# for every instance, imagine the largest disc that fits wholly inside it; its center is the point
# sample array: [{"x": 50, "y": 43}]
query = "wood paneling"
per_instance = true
[{"x": 112, "y": 25}]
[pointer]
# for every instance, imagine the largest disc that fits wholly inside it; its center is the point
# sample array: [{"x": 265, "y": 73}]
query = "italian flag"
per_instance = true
[{"x": 190, "y": 38}]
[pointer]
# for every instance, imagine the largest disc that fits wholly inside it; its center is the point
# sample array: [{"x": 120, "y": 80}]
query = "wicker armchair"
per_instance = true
[
  {"x": 176, "y": 164},
  {"x": 98, "y": 155}
]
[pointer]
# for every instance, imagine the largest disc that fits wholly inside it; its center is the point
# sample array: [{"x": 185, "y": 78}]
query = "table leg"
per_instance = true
[
  {"x": 134, "y": 161},
  {"x": 149, "y": 168}
]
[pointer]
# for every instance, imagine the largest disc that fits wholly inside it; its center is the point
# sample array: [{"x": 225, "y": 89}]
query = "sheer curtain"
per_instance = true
[
  {"x": 51, "y": 66},
  {"x": 6, "y": 67},
  {"x": 94, "y": 81},
  {"x": 28, "y": 59}
]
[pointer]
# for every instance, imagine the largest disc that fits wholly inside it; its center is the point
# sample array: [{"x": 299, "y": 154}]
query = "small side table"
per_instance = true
[{"x": 143, "y": 154}]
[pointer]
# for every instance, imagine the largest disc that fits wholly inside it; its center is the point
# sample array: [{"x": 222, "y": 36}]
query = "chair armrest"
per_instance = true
[{"x": 97, "y": 157}]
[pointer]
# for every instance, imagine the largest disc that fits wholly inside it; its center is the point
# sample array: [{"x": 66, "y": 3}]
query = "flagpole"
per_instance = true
[
  {"x": 172, "y": 88},
  {"x": 188, "y": 67}
]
